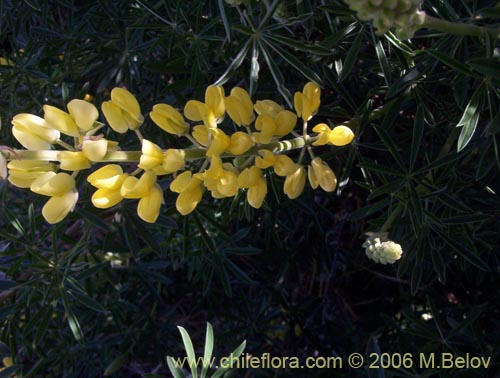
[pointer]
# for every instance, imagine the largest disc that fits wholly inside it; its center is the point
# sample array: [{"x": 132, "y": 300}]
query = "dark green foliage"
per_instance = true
[{"x": 290, "y": 278}]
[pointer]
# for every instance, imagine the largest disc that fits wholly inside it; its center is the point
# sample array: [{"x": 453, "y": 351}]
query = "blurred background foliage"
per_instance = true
[{"x": 102, "y": 292}]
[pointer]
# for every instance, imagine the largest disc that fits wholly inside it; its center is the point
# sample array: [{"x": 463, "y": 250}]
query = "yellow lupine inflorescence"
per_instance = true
[{"x": 232, "y": 162}]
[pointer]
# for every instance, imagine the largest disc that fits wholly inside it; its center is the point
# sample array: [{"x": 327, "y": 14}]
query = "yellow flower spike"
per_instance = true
[
  {"x": 148, "y": 207},
  {"x": 265, "y": 160},
  {"x": 284, "y": 166},
  {"x": 173, "y": 160},
  {"x": 33, "y": 132},
  {"x": 341, "y": 136},
  {"x": 268, "y": 107},
  {"x": 214, "y": 99},
  {"x": 73, "y": 160},
  {"x": 295, "y": 182},
  {"x": 60, "y": 120},
  {"x": 152, "y": 155},
  {"x": 257, "y": 193},
  {"x": 200, "y": 133},
  {"x": 220, "y": 142},
  {"x": 84, "y": 113},
  {"x": 324, "y": 134},
  {"x": 123, "y": 111},
  {"x": 95, "y": 150},
  {"x": 307, "y": 103},
  {"x": 53, "y": 184},
  {"x": 22, "y": 173},
  {"x": 108, "y": 177},
  {"x": 58, "y": 207},
  {"x": 319, "y": 173},
  {"x": 239, "y": 106},
  {"x": 285, "y": 123},
  {"x": 169, "y": 119},
  {"x": 132, "y": 187},
  {"x": 240, "y": 143}
]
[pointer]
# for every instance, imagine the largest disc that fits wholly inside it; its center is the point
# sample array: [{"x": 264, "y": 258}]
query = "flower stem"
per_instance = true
[{"x": 458, "y": 28}]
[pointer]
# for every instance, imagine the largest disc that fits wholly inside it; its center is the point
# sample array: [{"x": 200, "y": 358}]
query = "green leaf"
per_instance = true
[
  {"x": 486, "y": 66},
  {"x": 74, "y": 324},
  {"x": 188, "y": 345},
  {"x": 114, "y": 366},
  {"x": 416, "y": 141},
  {"x": 352, "y": 55},
  {"x": 225, "y": 21},
  {"x": 383, "y": 61},
  {"x": 237, "y": 61},
  {"x": 235, "y": 354},
  {"x": 451, "y": 62},
  {"x": 176, "y": 371},
  {"x": 209, "y": 346}
]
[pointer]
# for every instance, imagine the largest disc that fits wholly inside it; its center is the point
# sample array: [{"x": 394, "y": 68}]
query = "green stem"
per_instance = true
[{"x": 458, "y": 28}]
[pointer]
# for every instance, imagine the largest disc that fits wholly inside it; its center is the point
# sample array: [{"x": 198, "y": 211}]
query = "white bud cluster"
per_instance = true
[
  {"x": 403, "y": 15},
  {"x": 380, "y": 249}
]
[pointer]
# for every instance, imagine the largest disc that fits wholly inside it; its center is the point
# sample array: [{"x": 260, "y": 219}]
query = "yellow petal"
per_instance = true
[
  {"x": 95, "y": 150},
  {"x": 220, "y": 142},
  {"x": 138, "y": 188},
  {"x": 106, "y": 198},
  {"x": 284, "y": 166},
  {"x": 312, "y": 92},
  {"x": 265, "y": 160},
  {"x": 324, "y": 134},
  {"x": 341, "y": 135},
  {"x": 239, "y": 106},
  {"x": 294, "y": 183},
  {"x": 22, "y": 173},
  {"x": 195, "y": 110},
  {"x": 313, "y": 179},
  {"x": 188, "y": 200},
  {"x": 53, "y": 184},
  {"x": 108, "y": 177},
  {"x": 228, "y": 184},
  {"x": 323, "y": 174},
  {"x": 268, "y": 107},
  {"x": 58, "y": 207},
  {"x": 200, "y": 133},
  {"x": 214, "y": 99},
  {"x": 84, "y": 114},
  {"x": 73, "y": 160},
  {"x": 173, "y": 160},
  {"x": 60, "y": 120},
  {"x": 115, "y": 117},
  {"x": 285, "y": 122},
  {"x": 168, "y": 119},
  {"x": 180, "y": 183},
  {"x": 240, "y": 143},
  {"x": 127, "y": 102},
  {"x": 257, "y": 193},
  {"x": 148, "y": 207},
  {"x": 33, "y": 132}
]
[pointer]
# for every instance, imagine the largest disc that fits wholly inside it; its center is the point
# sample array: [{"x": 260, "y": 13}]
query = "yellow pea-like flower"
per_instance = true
[
  {"x": 22, "y": 173},
  {"x": 149, "y": 205},
  {"x": 267, "y": 127},
  {"x": 173, "y": 160},
  {"x": 152, "y": 155},
  {"x": 265, "y": 160},
  {"x": 285, "y": 122},
  {"x": 341, "y": 136},
  {"x": 123, "y": 111},
  {"x": 307, "y": 102},
  {"x": 239, "y": 106},
  {"x": 108, "y": 180},
  {"x": 80, "y": 119},
  {"x": 240, "y": 142},
  {"x": 220, "y": 142},
  {"x": 320, "y": 174},
  {"x": 73, "y": 160},
  {"x": 61, "y": 188},
  {"x": 295, "y": 182},
  {"x": 169, "y": 119},
  {"x": 324, "y": 132},
  {"x": 95, "y": 149},
  {"x": 33, "y": 132},
  {"x": 190, "y": 192},
  {"x": 227, "y": 185},
  {"x": 252, "y": 179},
  {"x": 284, "y": 166},
  {"x": 211, "y": 111},
  {"x": 201, "y": 134},
  {"x": 132, "y": 187}
]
